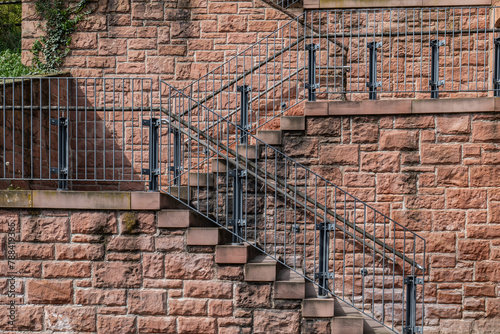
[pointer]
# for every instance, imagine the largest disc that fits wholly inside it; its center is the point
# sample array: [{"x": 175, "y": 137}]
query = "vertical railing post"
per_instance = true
[
  {"x": 411, "y": 305},
  {"x": 435, "y": 83},
  {"x": 496, "y": 76},
  {"x": 176, "y": 168},
  {"x": 324, "y": 247},
  {"x": 244, "y": 106},
  {"x": 311, "y": 85},
  {"x": 153, "y": 171},
  {"x": 373, "y": 84},
  {"x": 237, "y": 221},
  {"x": 62, "y": 152}
]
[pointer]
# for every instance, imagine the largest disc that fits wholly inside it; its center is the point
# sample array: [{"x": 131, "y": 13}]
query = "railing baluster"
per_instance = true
[
  {"x": 373, "y": 84},
  {"x": 435, "y": 83}
]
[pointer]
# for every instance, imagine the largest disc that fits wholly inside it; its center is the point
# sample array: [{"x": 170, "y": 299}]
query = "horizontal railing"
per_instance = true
[
  {"x": 343, "y": 245},
  {"x": 82, "y": 130},
  {"x": 356, "y": 55}
]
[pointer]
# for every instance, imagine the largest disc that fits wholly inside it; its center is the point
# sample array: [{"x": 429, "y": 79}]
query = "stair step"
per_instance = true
[
  {"x": 293, "y": 123},
  {"x": 181, "y": 219},
  {"x": 291, "y": 287},
  {"x": 318, "y": 308},
  {"x": 181, "y": 192},
  {"x": 249, "y": 151},
  {"x": 154, "y": 201},
  {"x": 347, "y": 324},
  {"x": 270, "y": 137},
  {"x": 201, "y": 179},
  {"x": 218, "y": 165},
  {"x": 262, "y": 268},
  {"x": 234, "y": 254},
  {"x": 207, "y": 236}
]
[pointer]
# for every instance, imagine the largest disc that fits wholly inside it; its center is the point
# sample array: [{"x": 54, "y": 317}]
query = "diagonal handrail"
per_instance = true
[
  {"x": 247, "y": 162},
  {"x": 213, "y": 147}
]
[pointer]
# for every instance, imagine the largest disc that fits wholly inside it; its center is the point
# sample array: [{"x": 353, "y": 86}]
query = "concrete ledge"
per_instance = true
[
  {"x": 81, "y": 200},
  {"x": 87, "y": 200},
  {"x": 387, "y": 107},
  {"x": 326, "y": 4},
  {"x": 16, "y": 199},
  {"x": 402, "y": 107}
]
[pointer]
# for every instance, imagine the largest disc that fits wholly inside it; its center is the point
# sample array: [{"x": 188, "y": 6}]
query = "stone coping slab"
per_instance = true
[
  {"x": 87, "y": 200},
  {"x": 330, "y": 4},
  {"x": 402, "y": 107}
]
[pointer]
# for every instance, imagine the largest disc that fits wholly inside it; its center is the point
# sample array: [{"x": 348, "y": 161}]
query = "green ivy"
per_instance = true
[{"x": 61, "y": 21}]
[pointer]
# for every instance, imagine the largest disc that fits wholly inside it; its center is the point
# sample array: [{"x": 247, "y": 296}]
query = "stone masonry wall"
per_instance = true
[
  {"x": 114, "y": 271},
  {"x": 178, "y": 40},
  {"x": 439, "y": 176}
]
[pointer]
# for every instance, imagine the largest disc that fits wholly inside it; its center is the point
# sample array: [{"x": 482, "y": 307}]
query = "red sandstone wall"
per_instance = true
[
  {"x": 438, "y": 175},
  {"x": 114, "y": 272},
  {"x": 174, "y": 40}
]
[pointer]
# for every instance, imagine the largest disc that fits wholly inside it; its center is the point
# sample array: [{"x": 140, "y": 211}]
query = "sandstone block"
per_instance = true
[
  {"x": 89, "y": 252},
  {"x": 441, "y": 154},
  {"x": 109, "y": 324},
  {"x": 195, "y": 325},
  {"x": 45, "y": 229},
  {"x": 247, "y": 295},
  {"x": 380, "y": 162},
  {"x": 187, "y": 307},
  {"x": 284, "y": 322},
  {"x": 117, "y": 275},
  {"x": 204, "y": 289},
  {"x": 70, "y": 318},
  {"x": 398, "y": 140},
  {"x": 148, "y": 302},
  {"x": 189, "y": 266},
  {"x": 339, "y": 154},
  {"x": 108, "y": 297},
  {"x": 156, "y": 324},
  {"x": 66, "y": 269},
  {"x": 93, "y": 222},
  {"x": 49, "y": 292}
]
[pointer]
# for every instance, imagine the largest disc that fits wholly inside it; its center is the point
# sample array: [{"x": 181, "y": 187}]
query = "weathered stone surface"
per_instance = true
[
  {"x": 149, "y": 302},
  {"x": 380, "y": 162},
  {"x": 467, "y": 198},
  {"x": 452, "y": 176},
  {"x": 323, "y": 126},
  {"x": 49, "y": 292},
  {"x": 249, "y": 295},
  {"x": 441, "y": 154},
  {"x": 47, "y": 229},
  {"x": 93, "y": 222},
  {"x": 89, "y": 252},
  {"x": 339, "y": 154},
  {"x": 28, "y": 318},
  {"x": 70, "y": 319},
  {"x": 187, "y": 307},
  {"x": 195, "y": 325},
  {"x": 108, "y": 297},
  {"x": 204, "y": 289},
  {"x": 398, "y": 140},
  {"x": 117, "y": 275},
  {"x": 453, "y": 124},
  {"x": 396, "y": 184},
  {"x": 66, "y": 269},
  {"x": 276, "y": 322},
  {"x": 364, "y": 133},
  {"x": 156, "y": 324},
  {"x": 189, "y": 266},
  {"x": 109, "y": 324},
  {"x": 131, "y": 244}
]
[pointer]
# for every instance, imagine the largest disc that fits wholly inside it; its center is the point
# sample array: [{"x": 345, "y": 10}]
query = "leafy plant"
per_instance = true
[
  {"x": 61, "y": 21},
  {"x": 11, "y": 65}
]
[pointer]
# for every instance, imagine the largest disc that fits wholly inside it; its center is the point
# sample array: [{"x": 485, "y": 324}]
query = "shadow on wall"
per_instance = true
[{"x": 107, "y": 144}]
